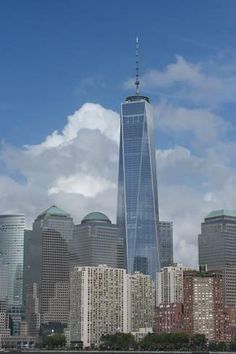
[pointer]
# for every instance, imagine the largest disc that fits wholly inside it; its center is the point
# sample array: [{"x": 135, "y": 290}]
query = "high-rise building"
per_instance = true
[
  {"x": 96, "y": 241},
  {"x": 169, "y": 285},
  {"x": 137, "y": 208},
  {"x": 47, "y": 268},
  {"x": 12, "y": 260},
  {"x": 217, "y": 249},
  {"x": 141, "y": 301},
  {"x": 203, "y": 304},
  {"x": 166, "y": 243},
  {"x": 98, "y": 303}
]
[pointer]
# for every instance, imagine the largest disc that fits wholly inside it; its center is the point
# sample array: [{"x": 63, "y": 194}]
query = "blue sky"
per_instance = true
[
  {"x": 52, "y": 53},
  {"x": 65, "y": 68}
]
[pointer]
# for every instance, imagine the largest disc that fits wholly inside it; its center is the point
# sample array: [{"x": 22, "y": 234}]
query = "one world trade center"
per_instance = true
[{"x": 137, "y": 208}]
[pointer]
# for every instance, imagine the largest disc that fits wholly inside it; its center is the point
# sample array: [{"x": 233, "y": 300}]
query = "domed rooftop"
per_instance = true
[
  {"x": 96, "y": 217},
  {"x": 54, "y": 211}
]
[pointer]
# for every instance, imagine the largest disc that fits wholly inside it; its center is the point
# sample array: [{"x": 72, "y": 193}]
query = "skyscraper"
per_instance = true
[
  {"x": 137, "y": 208},
  {"x": 217, "y": 249},
  {"x": 47, "y": 287},
  {"x": 166, "y": 243},
  {"x": 12, "y": 259},
  {"x": 96, "y": 241}
]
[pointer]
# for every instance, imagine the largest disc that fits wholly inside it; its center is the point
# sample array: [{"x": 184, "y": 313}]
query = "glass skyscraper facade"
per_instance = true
[
  {"x": 11, "y": 266},
  {"x": 137, "y": 209},
  {"x": 166, "y": 243}
]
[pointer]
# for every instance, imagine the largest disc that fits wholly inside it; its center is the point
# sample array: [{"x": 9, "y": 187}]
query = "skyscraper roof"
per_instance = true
[
  {"x": 54, "y": 211},
  {"x": 222, "y": 212},
  {"x": 95, "y": 217}
]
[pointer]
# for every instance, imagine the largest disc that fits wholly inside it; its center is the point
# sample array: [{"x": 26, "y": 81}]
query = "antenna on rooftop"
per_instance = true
[{"x": 137, "y": 82}]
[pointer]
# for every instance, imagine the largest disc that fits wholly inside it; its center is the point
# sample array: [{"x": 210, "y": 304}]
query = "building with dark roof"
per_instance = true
[
  {"x": 96, "y": 241},
  {"x": 217, "y": 249}
]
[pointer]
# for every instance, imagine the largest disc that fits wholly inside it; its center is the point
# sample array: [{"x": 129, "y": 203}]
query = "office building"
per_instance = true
[
  {"x": 141, "y": 301},
  {"x": 169, "y": 285},
  {"x": 4, "y": 320},
  {"x": 12, "y": 260},
  {"x": 166, "y": 243},
  {"x": 137, "y": 208},
  {"x": 217, "y": 249},
  {"x": 98, "y": 303},
  {"x": 47, "y": 261},
  {"x": 96, "y": 241}
]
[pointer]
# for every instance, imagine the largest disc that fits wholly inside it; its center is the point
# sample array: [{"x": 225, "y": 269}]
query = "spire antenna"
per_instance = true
[{"x": 137, "y": 82}]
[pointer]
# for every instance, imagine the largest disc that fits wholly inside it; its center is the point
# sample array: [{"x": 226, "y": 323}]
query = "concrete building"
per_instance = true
[
  {"x": 169, "y": 318},
  {"x": 141, "y": 301},
  {"x": 96, "y": 241},
  {"x": 203, "y": 304},
  {"x": 169, "y": 285},
  {"x": 47, "y": 268},
  {"x": 11, "y": 266},
  {"x": 217, "y": 249},
  {"x": 166, "y": 243},
  {"x": 98, "y": 303}
]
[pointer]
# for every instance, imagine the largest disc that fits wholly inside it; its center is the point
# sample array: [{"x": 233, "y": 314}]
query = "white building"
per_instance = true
[
  {"x": 169, "y": 285},
  {"x": 141, "y": 302},
  {"x": 98, "y": 303}
]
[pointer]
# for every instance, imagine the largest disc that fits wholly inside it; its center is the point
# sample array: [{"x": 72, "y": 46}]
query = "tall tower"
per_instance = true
[
  {"x": 47, "y": 268},
  {"x": 96, "y": 241},
  {"x": 137, "y": 209},
  {"x": 217, "y": 249},
  {"x": 11, "y": 266}
]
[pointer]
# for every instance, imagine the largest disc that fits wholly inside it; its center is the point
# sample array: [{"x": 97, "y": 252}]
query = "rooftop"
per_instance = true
[
  {"x": 96, "y": 217},
  {"x": 54, "y": 211},
  {"x": 221, "y": 213},
  {"x": 137, "y": 98}
]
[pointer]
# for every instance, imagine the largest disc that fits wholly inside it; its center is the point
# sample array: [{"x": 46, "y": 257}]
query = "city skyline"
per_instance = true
[{"x": 59, "y": 59}]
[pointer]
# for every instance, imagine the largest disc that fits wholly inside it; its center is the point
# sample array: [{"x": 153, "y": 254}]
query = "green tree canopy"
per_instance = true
[{"x": 118, "y": 341}]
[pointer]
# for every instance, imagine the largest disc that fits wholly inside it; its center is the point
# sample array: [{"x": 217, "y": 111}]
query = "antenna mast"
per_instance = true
[{"x": 137, "y": 82}]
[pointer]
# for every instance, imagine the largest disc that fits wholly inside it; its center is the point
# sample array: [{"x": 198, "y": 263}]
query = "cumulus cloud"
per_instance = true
[
  {"x": 77, "y": 168},
  {"x": 201, "y": 124},
  {"x": 198, "y": 83}
]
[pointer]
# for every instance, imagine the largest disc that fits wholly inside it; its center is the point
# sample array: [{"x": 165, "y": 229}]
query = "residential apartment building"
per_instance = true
[{"x": 98, "y": 303}]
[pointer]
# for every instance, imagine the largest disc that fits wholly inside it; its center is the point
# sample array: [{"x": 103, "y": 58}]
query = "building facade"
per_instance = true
[
  {"x": 47, "y": 269},
  {"x": 203, "y": 304},
  {"x": 169, "y": 285},
  {"x": 166, "y": 243},
  {"x": 12, "y": 261},
  {"x": 141, "y": 301},
  {"x": 169, "y": 318},
  {"x": 96, "y": 241},
  {"x": 98, "y": 303},
  {"x": 137, "y": 209},
  {"x": 217, "y": 249}
]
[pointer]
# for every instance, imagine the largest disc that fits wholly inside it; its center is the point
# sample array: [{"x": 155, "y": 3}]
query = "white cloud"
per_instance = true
[
  {"x": 183, "y": 81},
  {"x": 77, "y": 170},
  {"x": 88, "y": 186},
  {"x": 89, "y": 116},
  {"x": 203, "y": 125}
]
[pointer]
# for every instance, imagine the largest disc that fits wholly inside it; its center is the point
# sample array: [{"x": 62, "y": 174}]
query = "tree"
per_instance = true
[
  {"x": 118, "y": 341},
  {"x": 199, "y": 341},
  {"x": 54, "y": 340}
]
